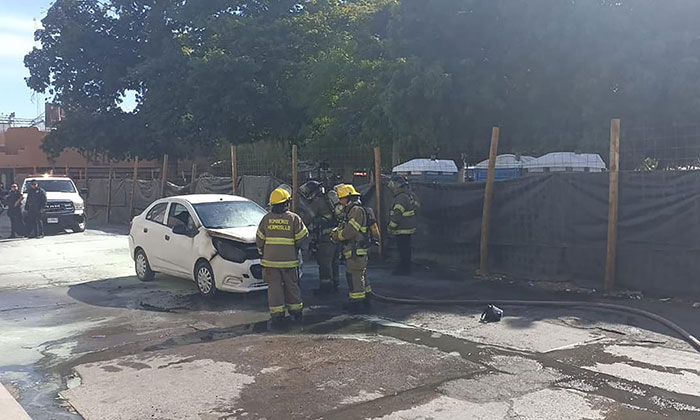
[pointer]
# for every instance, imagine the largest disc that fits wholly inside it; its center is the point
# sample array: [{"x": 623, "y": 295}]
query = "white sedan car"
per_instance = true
[{"x": 203, "y": 237}]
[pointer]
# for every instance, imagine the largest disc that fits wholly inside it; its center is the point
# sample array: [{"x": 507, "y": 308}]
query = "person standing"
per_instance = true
[
  {"x": 3, "y": 197},
  {"x": 402, "y": 221},
  {"x": 280, "y": 237},
  {"x": 14, "y": 211},
  {"x": 354, "y": 233},
  {"x": 323, "y": 221},
  {"x": 36, "y": 200}
]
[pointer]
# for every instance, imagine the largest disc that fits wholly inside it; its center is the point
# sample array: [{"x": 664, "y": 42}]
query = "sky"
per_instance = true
[{"x": 17, "y": 39}]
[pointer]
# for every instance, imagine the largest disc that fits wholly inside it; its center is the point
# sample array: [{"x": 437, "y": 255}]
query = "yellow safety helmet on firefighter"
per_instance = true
[
  {"x": 279, "y": 196},
  {"x": 347, "y": 190}
]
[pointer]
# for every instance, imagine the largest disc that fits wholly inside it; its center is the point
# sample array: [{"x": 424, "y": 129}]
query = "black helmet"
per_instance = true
[
  {"x": 397, "y": 182},
  {"x": 310, "y": 189}
]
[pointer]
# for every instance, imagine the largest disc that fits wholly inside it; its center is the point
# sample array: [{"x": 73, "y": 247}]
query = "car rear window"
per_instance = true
[{"x": 229, "y": 214}]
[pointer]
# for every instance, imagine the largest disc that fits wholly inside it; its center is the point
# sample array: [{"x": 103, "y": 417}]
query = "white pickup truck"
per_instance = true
[{"x": 65, "y": 208}]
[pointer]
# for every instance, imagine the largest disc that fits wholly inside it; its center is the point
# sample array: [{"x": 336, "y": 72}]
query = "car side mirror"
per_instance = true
[{"x": 180, "y": 229}]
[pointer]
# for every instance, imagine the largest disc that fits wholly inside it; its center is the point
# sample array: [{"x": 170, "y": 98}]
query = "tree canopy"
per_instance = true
[{"x": 423, "y": 74}]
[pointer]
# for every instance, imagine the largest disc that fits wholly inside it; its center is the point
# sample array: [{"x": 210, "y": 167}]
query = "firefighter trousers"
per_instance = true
[
  {"x": 403, "y": 243},
  {"x": 327, "y": 257},
  {"x": 356, "y": 274},
  {"x": 283, "y": 290}
]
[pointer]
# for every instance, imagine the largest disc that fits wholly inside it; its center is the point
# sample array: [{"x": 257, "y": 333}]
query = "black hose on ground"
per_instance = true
[{"x": 685, "y": 335}]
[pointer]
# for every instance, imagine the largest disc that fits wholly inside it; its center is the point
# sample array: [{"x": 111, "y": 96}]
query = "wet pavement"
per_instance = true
[{"x": 83, "y": 338}]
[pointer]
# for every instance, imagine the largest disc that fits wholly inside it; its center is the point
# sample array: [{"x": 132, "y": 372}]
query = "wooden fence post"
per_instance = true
[
  {"x": 109, "y": 194},
  {"x": 164, "y": 175},
  {"x": 133, "y": 187},
  {"x": 613, "y": 202},
  {"x": 234, "y": 168},
  {"x": 193, "y": 177},
  {"x": 295, "y": 178},
  {"x": 488, "y": 196},
  {"x": 378, "y": 188}
]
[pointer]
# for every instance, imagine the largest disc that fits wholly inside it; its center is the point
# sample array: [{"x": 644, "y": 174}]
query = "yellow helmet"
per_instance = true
[
  {"x": 346, "y": 190},
  {"x": 279, "y": 196}
]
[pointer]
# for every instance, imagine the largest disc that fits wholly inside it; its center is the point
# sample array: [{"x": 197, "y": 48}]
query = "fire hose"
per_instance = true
[{"x": 685, "y": 335}]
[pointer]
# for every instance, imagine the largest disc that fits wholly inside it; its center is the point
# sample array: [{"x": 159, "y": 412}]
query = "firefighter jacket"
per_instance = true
[
  {"x": 324, "y": 220},
  {"x": 353, "y": 233},
  {"x": 279, "y": 238},
  {"x": 402, "y": 218}
]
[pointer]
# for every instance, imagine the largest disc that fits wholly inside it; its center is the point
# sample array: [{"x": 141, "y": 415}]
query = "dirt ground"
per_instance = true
[{"x": 83, "y": 338}]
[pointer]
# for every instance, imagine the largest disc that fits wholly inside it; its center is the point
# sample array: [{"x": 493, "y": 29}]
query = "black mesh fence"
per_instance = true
[{"x": 549, "y": 214}]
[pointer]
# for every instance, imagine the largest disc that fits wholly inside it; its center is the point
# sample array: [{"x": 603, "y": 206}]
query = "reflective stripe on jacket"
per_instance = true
[
  {"x": 402, "y": 219},
  {"x": 279, "y": 238},
  {"x": 353, "y": 233}
]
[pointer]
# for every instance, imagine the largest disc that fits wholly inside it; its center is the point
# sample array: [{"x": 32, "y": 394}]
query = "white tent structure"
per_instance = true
[{"x": 566, "y": 162}]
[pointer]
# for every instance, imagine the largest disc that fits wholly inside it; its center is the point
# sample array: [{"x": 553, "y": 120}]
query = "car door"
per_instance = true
[
  {"x": 179, "y": 255},
  {"x": 151, "y": 235}
]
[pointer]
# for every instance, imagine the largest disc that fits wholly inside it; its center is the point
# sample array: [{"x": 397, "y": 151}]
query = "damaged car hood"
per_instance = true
[{"x": 242, "y": 234}]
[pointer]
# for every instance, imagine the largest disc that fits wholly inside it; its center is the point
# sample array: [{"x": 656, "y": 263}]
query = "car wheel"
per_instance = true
[
  {"x": 143, "y": 268},
  {"x": 204, "y": 277}
]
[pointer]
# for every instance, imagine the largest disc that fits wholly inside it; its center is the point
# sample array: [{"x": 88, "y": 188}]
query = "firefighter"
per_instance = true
[
  {"x": 355, "y": 234},
  {"x": 321, "y": 222},
  {"x": 280, "y": 237},
  {"x": 402, "y": 221}
]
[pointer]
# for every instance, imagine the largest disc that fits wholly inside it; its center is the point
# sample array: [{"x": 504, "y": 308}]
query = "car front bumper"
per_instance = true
[
  {"x": 63, "y": 221},
  {"x": 237, "y": 277}
]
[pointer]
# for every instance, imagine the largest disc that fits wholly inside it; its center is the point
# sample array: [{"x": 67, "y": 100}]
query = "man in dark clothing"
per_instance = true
[
  {"x": 36, "y": 200},
  {"x": 14, "y": 211}
]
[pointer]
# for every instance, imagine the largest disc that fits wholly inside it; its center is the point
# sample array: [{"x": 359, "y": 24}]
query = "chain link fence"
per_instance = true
[{"x": 549, "y": 213}]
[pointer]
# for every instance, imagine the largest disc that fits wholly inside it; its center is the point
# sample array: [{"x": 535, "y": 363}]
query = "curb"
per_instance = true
[{"x": 10, "y": 408}]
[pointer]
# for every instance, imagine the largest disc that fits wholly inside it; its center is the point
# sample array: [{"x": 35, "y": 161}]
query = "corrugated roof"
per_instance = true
[
  {"x": 506, "y": 161},
  {"x": 567, "y": 160},
  {"x": 427, "y": 165}
]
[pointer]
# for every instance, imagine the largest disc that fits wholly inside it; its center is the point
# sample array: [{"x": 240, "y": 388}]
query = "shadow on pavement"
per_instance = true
[{"x": 164, "y": 294}]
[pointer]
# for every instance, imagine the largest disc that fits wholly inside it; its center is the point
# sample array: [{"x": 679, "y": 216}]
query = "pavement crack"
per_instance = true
[
  {"x": 179, "y": 362},
  {"x": 379, "y": 406}
]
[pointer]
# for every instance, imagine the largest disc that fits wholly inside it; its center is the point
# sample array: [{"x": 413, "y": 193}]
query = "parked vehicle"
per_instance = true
[
  {"x": 65, "y": 208},
  {"x": 203, "y": 237}
]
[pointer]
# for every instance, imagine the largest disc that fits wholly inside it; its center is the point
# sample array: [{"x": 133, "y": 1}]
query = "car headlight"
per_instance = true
[
  {"x": 229, "y": 250},
  {"x": 78, "y": 205}
]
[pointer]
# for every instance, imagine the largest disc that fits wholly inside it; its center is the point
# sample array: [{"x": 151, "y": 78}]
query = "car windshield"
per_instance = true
[
  {"x": 53, "y": 185},
  {"x": 229, "y": 214}
]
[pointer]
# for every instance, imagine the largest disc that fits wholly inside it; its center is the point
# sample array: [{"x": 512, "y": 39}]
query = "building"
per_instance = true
[
  {"x": 21, "y": 156},
  {"x": 508, "y": 166},
  {"x": 439, "y": 171},
  {"x": 565, "y": 162}
]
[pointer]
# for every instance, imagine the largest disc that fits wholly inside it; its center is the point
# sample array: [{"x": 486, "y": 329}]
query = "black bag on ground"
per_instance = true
[{"x": 492, "y": 314}]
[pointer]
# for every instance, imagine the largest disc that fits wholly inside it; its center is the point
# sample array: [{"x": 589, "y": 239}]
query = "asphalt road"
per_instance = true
[{"x": 81, "y": 337}]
